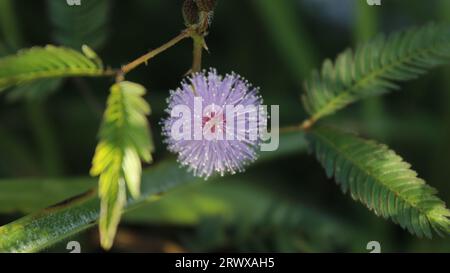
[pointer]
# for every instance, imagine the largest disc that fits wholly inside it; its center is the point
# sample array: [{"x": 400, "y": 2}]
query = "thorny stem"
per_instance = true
[
  {"x": 110, "y": 72},
  {"x": 196, "y": 32},
  {"x": 145, "y": 58},
  {"x": 199, "y": 44},
  {"x": 198, "y": 38}
]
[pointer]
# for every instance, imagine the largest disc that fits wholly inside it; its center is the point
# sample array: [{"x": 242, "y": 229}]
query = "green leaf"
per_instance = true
[
  {"x": 31, "y": 91},
  {"x": 379, "y": 178},
  {"x": 113, "y": 199},
  {"x": 375, "y": 68},
  {"x": 84, "y": 24},
  {"x": 125, "y": 140},
  {"x": 47, "y": 62}
]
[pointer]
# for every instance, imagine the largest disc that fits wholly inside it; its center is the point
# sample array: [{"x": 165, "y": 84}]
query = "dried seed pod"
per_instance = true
[
  {"x": 206, "y": 5},
  {"x": 190, "y": 12}
]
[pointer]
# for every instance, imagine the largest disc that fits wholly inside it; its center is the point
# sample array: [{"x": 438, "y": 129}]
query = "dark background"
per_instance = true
[{"x": 274, "y": 44}]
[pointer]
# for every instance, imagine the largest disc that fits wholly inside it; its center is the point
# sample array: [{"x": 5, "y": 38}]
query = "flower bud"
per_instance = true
[
  {"x": 190, "y": 12},
  {"x": 206, "y": 5}
]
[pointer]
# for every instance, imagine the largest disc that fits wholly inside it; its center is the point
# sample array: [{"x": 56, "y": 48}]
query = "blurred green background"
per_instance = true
[{"x": 284, "y": 204}]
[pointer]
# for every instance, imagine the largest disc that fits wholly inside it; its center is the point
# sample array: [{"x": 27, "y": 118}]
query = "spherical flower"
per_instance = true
[{"x": 214, "y": 123}]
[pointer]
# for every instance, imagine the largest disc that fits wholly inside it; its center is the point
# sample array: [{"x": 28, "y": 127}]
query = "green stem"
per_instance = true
[
  {"x": 366, "y": 22},
  {"x": 9, "y": 24},
  {"x": 366, "y": 28},
  {"x": 291, "y": 37},
  {"x": 443, "y": 10},
  {"x": 199, "y": 44},
  {"x": 441, "y": 169}
]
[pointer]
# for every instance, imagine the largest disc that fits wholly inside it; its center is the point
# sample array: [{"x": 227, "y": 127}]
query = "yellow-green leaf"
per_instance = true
[
  {"x": 125, "y": 140},
  {"x": 47, "y": 62}
]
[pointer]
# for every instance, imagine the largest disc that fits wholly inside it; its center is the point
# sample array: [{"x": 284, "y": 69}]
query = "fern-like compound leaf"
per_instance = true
[
  {"x": 382, "y": 180},
  {"x": 48, "y": 62},
  {"x": 125, "y": 140},
  {"x": 375, "y": 67}
]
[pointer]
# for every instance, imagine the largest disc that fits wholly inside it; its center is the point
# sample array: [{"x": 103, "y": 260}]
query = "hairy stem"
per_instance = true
[
  {"x": 145, "y": 58},
  {"x": 196, "y": 32},
  {"x": 199, "y": 43}
]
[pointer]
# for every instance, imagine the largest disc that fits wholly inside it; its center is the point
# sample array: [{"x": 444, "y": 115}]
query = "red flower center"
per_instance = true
[{"x": 214, "y": 120}]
